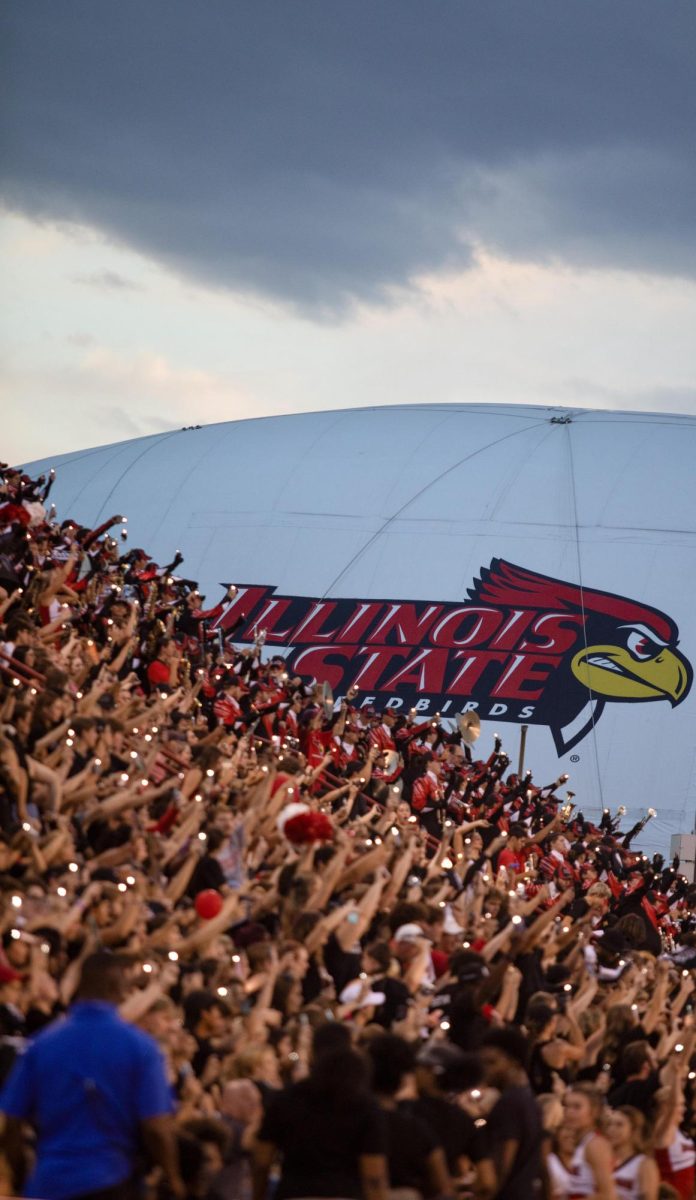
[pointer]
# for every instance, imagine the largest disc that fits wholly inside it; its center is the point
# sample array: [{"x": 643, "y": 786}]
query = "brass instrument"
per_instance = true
[
  {"x": 152, "y": 599},
  {"x": 469, "y": 726}
]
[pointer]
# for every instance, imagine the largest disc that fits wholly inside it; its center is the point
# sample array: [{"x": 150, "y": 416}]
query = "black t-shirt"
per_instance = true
[
  {"x": 205, "y": 1049},
  {"x": 579, "y": 908},
  {"x": 533, "y": 979},
  {"x": 267, "y": 1093},
  {"x": 36, "y": 1019},
  {"x": 410, "y": 1143},
  {"x": 79, "y": 762},
  {"x": 396, "y": 1002},
  {"x": 516, "y": 1117},
  {"x": 12, "y": 1021},
  {"x": 312, "y": 982},
  {"x": 639, "y": 1093},
  {"x": 207, "y": 874},
  {"x": 541, "y": 1075},
  {"x": 452, "y": 1127},
  {"x": 614, "y": 1054},
  {"x": 632, "y": 907},
  {"x": 101, "y": 836},
  {"x": 321, "y": 1140},
  {"x": 342, "y": 965},
  {"x": 467, "y": 1023},
  {"x": 117, "y": 764}
]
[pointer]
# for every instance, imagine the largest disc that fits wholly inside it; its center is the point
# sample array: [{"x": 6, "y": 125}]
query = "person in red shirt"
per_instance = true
[
  {"x": 227, "y": 708},
  {"x": 344, "y": 749},
  {"x": 316, "y": 740},
  {"x": 163, "y": 671},
  {"x": 287, "y": 720},
  {"x": 512, "y": 857}
]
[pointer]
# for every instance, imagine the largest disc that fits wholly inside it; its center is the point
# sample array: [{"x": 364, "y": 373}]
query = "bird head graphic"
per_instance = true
[{"x": 626, "y": 650}]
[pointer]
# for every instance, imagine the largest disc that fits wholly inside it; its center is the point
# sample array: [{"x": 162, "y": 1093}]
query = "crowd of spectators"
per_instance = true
[{"x": 304, "y": 948}]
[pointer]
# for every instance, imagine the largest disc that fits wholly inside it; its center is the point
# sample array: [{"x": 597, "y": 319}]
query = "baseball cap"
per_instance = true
[
  {"x": 408, "y": 933},
  {"x": 352, "y": 994},
  {"x": 468, "y": 966}
]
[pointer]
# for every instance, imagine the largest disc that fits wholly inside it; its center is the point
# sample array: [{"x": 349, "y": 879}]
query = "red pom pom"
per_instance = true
[
  {"x": 208, "y": 904},
  {"x": 308, "y": 827}
]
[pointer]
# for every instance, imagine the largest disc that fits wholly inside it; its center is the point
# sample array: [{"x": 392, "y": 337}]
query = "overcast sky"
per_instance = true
[{"x": 229, "y": 209}]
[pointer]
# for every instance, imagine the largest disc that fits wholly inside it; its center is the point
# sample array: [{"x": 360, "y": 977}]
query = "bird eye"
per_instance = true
[{"x": 641, "y": 646}]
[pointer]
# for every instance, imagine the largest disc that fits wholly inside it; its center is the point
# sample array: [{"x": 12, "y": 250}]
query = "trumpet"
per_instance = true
[{"x": 644, "y": 820}]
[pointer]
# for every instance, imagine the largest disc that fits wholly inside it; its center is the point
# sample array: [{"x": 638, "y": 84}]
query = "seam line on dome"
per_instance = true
[
  {"x": 164, "y": 437},
  {"x": 431, "y": 483},
  {"x": 574, "y": 497}
]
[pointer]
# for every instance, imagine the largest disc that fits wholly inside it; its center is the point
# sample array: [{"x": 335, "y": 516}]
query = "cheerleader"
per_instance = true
[
  {"x": 591, "y": 1164},
  {"x": 636, "y": 1176},
  {"x": 674, "y": 1151},
  {"x": 558, "y": 1146}
]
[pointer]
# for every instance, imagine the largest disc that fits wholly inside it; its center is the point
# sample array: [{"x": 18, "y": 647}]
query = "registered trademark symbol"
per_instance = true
[{"x": 575, "y": 758}]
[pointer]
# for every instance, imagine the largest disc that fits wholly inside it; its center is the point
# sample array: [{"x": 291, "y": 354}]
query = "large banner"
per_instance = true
[{"x": 523, "y": 647}]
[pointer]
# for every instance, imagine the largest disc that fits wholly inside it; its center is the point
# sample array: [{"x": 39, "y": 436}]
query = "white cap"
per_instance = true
[
  {"x": 353, "y": 994},
  {"x": 408, "y": 933}
]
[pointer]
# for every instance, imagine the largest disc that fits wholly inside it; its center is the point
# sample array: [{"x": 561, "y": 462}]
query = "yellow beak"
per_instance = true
[{"x": 612, "y": 671}]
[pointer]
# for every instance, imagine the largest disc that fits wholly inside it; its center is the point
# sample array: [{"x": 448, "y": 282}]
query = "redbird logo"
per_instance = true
[{"x": 522, "y": 647}]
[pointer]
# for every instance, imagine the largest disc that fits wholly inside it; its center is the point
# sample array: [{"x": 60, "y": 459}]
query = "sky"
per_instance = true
[{"x": 235, "y": 209}]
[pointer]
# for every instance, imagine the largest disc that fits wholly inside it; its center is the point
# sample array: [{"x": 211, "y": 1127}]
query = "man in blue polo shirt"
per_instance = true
[{"x": 94, "y": 1089}]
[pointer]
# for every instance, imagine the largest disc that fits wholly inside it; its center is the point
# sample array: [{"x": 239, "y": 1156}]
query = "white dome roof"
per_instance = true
[{"x": 411, "y": 503}]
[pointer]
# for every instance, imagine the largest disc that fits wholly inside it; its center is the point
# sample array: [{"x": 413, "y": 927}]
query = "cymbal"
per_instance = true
[
  {"x": 327, "y": 699},
  {"x": 469, "y": 726}
]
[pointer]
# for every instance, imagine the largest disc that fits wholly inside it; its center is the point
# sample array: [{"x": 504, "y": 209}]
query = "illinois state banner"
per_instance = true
[{"x": 522, "y": 647}]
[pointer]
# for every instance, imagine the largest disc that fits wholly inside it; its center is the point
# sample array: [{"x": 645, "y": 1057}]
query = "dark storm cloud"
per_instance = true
[{"x": 320, "y": 151}]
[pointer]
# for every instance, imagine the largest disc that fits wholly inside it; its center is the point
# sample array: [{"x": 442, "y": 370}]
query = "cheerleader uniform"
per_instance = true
[
  {"x": 627, "y": 1178},
  {"x": 677, "y": 1165},
  {"x": 582, "y": 1179},
  {"x": 559, "y": 1178}
]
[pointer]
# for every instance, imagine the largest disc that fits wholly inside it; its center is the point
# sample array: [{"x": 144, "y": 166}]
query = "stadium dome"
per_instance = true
[{"x": 535, "y": 565}]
